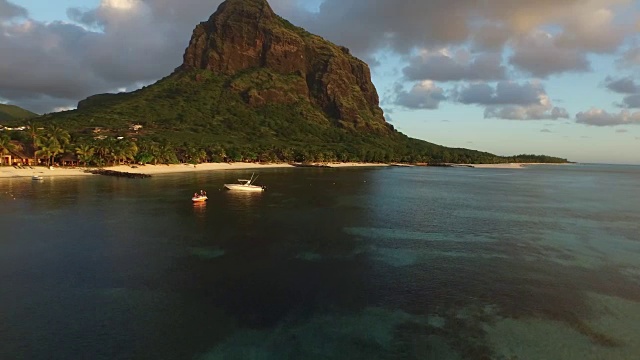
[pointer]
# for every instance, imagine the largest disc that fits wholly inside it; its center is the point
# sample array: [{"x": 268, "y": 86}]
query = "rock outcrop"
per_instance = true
[{"x": 272, "y": 61}]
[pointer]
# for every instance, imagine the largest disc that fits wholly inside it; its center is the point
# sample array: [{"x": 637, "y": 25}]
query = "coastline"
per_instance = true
[
  {"x": 507, "y": 165},
  {"x": 11, "y": 172}
]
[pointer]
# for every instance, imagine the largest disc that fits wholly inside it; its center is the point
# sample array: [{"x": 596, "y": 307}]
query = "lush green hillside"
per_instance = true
[
  {"x": 193, "y": 108},
  {"x": 12, "y": 112}
]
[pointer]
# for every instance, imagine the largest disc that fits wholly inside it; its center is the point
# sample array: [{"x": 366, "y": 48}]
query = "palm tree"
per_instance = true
[
  {"x": 166, "y": 153},
  {"x": 145, "y": 153},
  {"x": 59, "y": 135},
  {"x": 123, "y": 150},
  {"x": 5, "y": 145},
  {"x": 35, "y": 135},
  {"x": 51, "y": 143},
  {"x": 49, "y": 148},
  {"x": 196, "y": 155},
  {"x": 104, "y": 149},
  {"x": 85, "y": 153}
]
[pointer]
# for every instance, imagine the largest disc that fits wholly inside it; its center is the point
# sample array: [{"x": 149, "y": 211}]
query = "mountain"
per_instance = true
[
  {"x": 250, "y": 83},
  {"x": 277, "y": 63},
  {"x": 12, "y": 112}
]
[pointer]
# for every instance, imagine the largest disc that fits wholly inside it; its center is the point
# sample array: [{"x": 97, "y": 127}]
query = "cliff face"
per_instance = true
[{"x": 272, "y": 61}]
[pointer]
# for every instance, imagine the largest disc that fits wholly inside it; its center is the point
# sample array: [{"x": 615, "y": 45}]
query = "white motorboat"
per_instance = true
[
  {"x": 245, "y": 185},
  {"x": 37, "y": 177}
]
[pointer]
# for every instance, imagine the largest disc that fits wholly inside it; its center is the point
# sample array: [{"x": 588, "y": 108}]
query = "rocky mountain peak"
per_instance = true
[{"x": 281, "y": 63}]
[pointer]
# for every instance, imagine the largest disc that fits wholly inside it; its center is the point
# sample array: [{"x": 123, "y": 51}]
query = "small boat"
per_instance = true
[
  {"x": 37, "y": 177},
  {"x": 245, "y": 185},
  {"x": 199, "y": 198}
]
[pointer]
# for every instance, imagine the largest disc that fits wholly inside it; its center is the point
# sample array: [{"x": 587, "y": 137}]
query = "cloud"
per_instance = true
[
  {"x": 545, "y": 131},
  {"x": 540, "y": 55},
  {"x": 599, "y": 117},
  {"x": 423, "y": 95},
  {"x": 625, "y": 85},
  {"x": 630, "y": 58},
  {"x": 631, "y": 101},
  {"x": 60, "y": 63},
  {"x": 592, "y": 26},
  {"x": 490, "y": 37},
  {"x": 505, "y": 93},
  {"x": 461, "y": 65},
  {"x": 123, "y": 43},
  {"x": 406, "y": 24},
  {"x": 511, "y": 101},
  {"x": 533, "y": 112},
  {"x": 9, "y": 10}
]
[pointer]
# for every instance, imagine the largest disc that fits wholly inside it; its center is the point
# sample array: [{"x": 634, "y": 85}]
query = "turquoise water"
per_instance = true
[{"x": 389, "y": 263}]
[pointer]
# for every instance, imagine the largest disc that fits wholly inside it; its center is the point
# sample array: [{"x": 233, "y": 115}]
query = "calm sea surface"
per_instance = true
[{"x": 388, "y": 263}]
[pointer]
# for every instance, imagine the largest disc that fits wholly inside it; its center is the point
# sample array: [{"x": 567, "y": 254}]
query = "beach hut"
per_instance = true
[
  {"x": 15, "y": 156},
  {"x": 69, "y": 159}
]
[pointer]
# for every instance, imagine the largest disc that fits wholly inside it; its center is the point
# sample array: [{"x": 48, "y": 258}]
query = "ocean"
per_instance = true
[{"x": 348, "y": 263}]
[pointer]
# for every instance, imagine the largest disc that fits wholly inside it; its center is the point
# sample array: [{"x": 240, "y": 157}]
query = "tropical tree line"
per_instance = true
[{"x": 50, "y": 144}]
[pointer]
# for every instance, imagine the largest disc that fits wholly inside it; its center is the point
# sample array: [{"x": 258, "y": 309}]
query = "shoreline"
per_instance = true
[
  {"x": 9, "y": 172},
  {"x": 506, "y": 165}
]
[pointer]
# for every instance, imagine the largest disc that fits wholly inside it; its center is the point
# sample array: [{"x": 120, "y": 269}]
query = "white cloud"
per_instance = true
[
  {"x": 599, "y": 117},
  {"x": 423, "y": 95},
  {"x": 511, "y": 101}
]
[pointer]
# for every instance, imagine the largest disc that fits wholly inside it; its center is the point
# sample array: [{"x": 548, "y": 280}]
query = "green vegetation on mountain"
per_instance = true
[
  {"x": 252, "y": 87},
  {"x": 12, "y": 112}
]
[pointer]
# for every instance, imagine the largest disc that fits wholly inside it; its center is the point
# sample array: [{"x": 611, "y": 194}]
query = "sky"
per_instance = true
[{"x": 554, "y": 77}]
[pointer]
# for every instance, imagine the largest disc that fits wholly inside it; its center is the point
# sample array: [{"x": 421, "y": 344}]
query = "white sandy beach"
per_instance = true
[
  {"x": 11, "y": 172},
  {"x": 499, "y": 166},
  {"x": 508, "y": 166}
]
